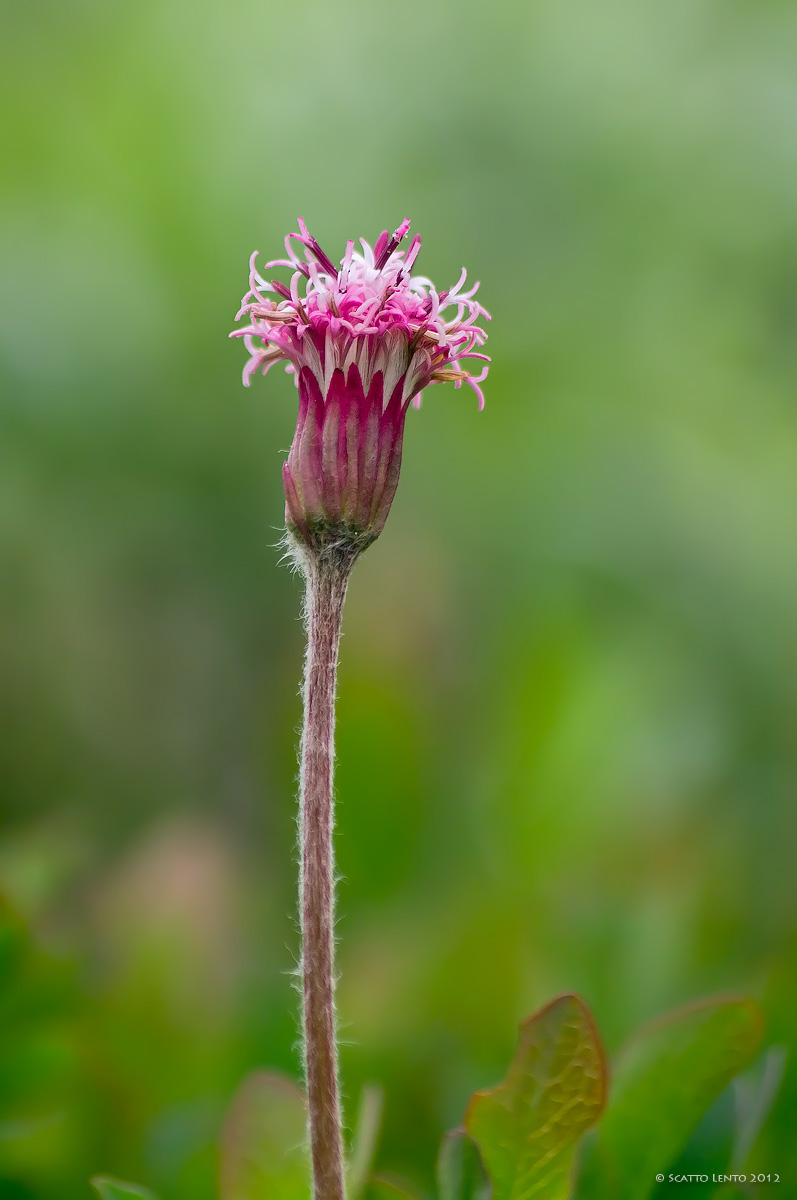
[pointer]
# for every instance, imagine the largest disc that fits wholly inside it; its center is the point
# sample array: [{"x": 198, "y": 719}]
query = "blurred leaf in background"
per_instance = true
[
  {"x": 567, "y": 698},
  {"x": 666, "y": 1078},
  {"x": 115, "y": 1189},
  {"x": 263, "y": 1152}
]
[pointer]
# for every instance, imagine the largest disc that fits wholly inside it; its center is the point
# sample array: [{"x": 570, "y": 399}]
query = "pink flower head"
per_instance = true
[{"x": 363, "y": 340}]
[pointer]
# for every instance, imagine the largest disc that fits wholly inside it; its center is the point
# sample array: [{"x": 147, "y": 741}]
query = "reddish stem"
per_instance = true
[{"x": 326, "y": 576}]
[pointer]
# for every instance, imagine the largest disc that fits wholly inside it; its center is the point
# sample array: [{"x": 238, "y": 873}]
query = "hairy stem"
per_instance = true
[{"x": 326, "y": 577}]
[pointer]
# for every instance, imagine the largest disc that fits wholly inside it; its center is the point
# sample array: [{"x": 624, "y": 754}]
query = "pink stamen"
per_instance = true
[{"x": 381, "y": 260}]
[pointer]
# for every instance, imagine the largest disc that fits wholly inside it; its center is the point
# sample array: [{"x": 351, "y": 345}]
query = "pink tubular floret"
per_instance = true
[{"x": 370, "y": 312}]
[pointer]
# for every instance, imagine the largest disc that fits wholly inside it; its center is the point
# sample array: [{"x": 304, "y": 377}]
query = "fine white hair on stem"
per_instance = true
[{"x": 326, "y": 573}]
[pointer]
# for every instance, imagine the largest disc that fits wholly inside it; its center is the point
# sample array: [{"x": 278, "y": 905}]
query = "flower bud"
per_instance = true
[{"x": 363, "y": 341}]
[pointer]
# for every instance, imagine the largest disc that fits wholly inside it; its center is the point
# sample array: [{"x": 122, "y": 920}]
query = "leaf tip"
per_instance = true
[
  {"x": 117, "y": 1189},
  {"x": 571, "y": 1005}
]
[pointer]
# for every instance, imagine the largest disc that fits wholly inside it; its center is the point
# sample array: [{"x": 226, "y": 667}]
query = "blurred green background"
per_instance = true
[{"x": 568, "y": 698}]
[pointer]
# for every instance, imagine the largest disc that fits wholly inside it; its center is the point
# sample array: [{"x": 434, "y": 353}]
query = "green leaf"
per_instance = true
[
  {"x": 363, "y": 1151},
  {"x": 756, "y": 1092},
  {"x": 264, "y": 1144},
  {"x": 14, "y": 942},
  {"x": 116, "y": 1189},
  {"x": 383, "y": 1187},
  {"x": 460, "y": 1170},
  {"x": 707, "y": 1150},
  {"x": 527, "y": 1127},
  {"x": 664, "y": 1082}
]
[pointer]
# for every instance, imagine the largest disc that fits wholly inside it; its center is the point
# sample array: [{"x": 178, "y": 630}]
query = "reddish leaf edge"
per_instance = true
[
  {"x": 394, "y": 1184},
  {"x": 524, "y": 1025},
  {"x": 283, "y": 1082},
  {"x": 690, "y": 1008}
]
